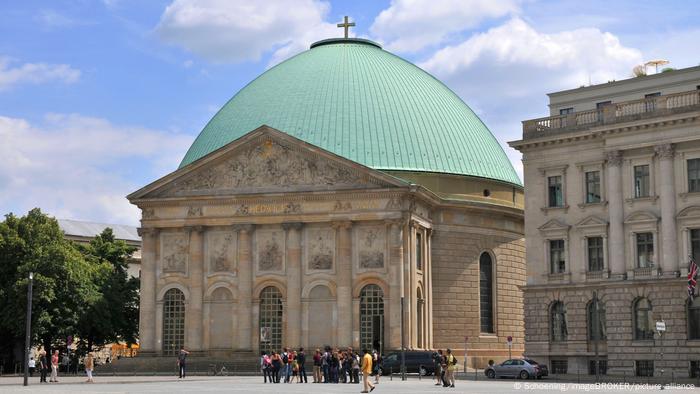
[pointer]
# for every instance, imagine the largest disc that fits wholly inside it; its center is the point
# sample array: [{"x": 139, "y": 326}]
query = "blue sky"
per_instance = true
[{"x": 98, "y": 98}]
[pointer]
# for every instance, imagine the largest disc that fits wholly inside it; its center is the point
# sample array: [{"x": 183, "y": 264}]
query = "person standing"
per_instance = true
[
  {"x": 451, "y": 367},
  {"x": 355, "y": 367},
  {"x": 182, "y": 362},
  {"x": 31, "y": 366},
  {"x": 43, "y": 365},
  {"x": 366, "y": 371},
  {"x": 89, "y": 366},
  {"x": 301, "y": 360},
  {"x": 276, "y": 366},
  {"x": 376, "y": 365},
  {"x": 317, "y": 366},
  {"x": 54, "y": 367},
  {"x": 325, "y": 364},
  {"x": 437, "y": 363},
  {"x": 265, "y": 367}
]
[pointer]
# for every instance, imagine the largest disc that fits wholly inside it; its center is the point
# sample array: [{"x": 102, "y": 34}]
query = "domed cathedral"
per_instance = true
[{"x": 345, "y": 197}]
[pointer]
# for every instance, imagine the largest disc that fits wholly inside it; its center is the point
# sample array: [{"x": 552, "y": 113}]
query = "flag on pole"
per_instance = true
[{"x": 692, "y": 278}]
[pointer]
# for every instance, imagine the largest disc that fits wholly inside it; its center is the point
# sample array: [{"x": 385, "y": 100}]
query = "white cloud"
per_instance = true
[
  {"x": 232, "y": 31},
  {"x": 74, "y": 166},
  {"x": 35, "y": 73},
  {"x": 507, "y": 71},
  {"x": 411, "y": 25}
]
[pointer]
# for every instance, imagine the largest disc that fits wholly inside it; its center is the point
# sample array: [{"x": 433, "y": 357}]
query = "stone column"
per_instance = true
[
  {"x": 616, "y": 209},
  {"x": 395, "y": 273},
  {"x": 344, "y": 283},
  {"x": 195, "y": 315},
  {"x": 293, "y": 309},
  {"x": 147, "y": 309},
  {"x": 245, "y": 287},
  {"x": 669, "y": 240}
]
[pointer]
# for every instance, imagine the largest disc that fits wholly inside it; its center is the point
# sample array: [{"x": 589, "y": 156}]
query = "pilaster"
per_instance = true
[
  {"x": 344, "y": 283},
  {"x": 615, "y": 208},
  {"x": 245, "y": 340},
  {"x": 147, "y": 309},
  {"x": 293, "y": 310},
  {"x": 669, "y": 237},
  {"x": 395, "y": 273},
  {"x": 195, "y": 315}
]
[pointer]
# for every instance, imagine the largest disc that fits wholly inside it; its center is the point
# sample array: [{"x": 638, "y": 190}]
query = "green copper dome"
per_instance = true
[{"x": 354, "y": 99}]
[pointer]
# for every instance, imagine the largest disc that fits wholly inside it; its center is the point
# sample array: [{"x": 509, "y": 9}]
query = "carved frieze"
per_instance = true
[
  {"x": 321, "y": 245},
  {"x": 372, "y": 246},
  {"x": 268, "y": 166},
  {"x": 270, "y": 250},
  {"x": 194, "y": 211},
  {"x": 221, "y": 250},
  {"x": 175, "y": 252}
]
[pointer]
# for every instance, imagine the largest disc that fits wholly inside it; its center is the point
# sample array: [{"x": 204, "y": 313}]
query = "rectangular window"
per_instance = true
[
  {"x": 695, "y": 244},
  {"x": 419, "y": 252},
  {"x": 694, "y": 175},
  {"x": 695, "y": 369},
  {"x": 566, "y": 111},
  {"x": 602, "y": 104},
  {"x": 602, "y": 367},
  {"x": 595, "y": 253},
  {"x": 641, "y": 181},
  {"x": 556, "y": 256},
  {"x": 644, "y": 367},
  {"x": 560, "y": 366},
  {"x": 592, "y": 187},
  {"x": 556, "y": 197},
  {"x": 645, "y": 249}
]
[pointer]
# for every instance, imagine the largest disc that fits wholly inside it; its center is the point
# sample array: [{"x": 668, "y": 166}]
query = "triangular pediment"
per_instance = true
[
  {"x": 591, "y": 221},
  {"x": 553, "y": 225},
  {"x": 692, "y": 211},
  {"x": 266, "y": 161},
  {"x": 641, "y": 217}
]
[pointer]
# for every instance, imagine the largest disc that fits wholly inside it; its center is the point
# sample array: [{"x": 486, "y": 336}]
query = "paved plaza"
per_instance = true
[{"x": 147, "y": 384}]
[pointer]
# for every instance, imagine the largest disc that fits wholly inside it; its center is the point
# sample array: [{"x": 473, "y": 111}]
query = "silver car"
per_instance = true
[{"x": 514, "y": 368}]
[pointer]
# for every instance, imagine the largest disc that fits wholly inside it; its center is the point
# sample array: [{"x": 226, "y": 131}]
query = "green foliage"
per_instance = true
[
  {"x": 63, "y": 280},
  {"x": 82, "y": 291},
  {"x": 113, "y": 317}
]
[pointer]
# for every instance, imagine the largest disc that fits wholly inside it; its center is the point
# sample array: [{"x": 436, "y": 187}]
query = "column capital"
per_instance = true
[
  {"x": 243, "y": 227},
  {"x": 342, "y": 224},
  {"x": 614, "y": 158},
  {"x": 293, "y": 226},
  {"x": 143, "y": 231},
  {"x": 665, "y": 151}
]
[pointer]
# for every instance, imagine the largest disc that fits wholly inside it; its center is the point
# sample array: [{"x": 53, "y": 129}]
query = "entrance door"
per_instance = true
[{"x": 378, "y": 333}]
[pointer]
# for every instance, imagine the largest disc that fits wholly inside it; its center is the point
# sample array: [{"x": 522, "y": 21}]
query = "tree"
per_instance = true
[
  {"x": 63, "y": 283},
  {"x": 113, "y": 317}
]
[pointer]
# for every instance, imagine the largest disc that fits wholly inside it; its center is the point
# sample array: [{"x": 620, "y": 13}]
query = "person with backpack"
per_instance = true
[
  {"x": 285, "y": 364},
  {"x": 326, "y": 364},
  {"x": 451, "y": 367},
  {"x": 437, "y": 364},
  {"x": 182, "y": 361}
]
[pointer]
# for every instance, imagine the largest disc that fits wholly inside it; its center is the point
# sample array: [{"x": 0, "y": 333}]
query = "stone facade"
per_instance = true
[
  {"x": 611, "y": 205},
  {"x": 272, "y": 242}
]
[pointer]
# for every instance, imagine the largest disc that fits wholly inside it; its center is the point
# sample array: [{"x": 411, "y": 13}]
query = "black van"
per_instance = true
[{"x": 417, "y": 361}]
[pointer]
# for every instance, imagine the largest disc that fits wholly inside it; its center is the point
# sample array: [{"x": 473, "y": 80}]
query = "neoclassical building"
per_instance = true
[
  {"x": 344, "y": 197},
  {"x": 612, "y": 212}
]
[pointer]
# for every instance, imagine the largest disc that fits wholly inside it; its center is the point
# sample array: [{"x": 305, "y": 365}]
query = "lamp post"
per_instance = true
[
  {"x": 27, "y": 338},
  {"x": 660, "y": 329}
]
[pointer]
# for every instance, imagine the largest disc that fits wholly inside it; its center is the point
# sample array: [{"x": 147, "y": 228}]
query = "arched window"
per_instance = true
[
  {"x": 371, "y": 317},
  {"x": 594, "y": 334},
  {"x": 173, "y": 321},
  {"x": 420, "y": 318},
  {"x": 693, "y": 319},
  {"x": 643, "y": 324},
  {"x": 486, "y": 292},
  {"x": 270, "y": 319},
  {"x": 557, "y": 322}
]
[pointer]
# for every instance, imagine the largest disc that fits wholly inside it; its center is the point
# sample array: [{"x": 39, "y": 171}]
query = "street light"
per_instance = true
[{"x": 27, "y": 340}]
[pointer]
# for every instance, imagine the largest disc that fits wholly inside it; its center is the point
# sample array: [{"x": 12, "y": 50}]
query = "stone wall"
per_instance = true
[
  {"x": 458, "y": 241},
  {"x": 668, "y": 300}
]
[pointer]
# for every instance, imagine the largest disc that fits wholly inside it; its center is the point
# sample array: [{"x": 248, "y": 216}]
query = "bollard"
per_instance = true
[
  {"x": 419, "y": 369},
  {"x": 391, "y": 373}
]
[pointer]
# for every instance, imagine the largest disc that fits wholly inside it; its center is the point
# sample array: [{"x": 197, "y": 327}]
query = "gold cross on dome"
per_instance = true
[{"x": 346, "y": 25}]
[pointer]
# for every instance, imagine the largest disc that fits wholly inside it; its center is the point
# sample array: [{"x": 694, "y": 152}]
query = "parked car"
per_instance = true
[
  {"x": 517, "y": 368},
  {"x": 416, "y": 362}
]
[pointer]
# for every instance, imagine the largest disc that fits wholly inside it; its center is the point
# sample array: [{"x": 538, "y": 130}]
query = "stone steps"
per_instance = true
[{"x": 236, "y": 363}]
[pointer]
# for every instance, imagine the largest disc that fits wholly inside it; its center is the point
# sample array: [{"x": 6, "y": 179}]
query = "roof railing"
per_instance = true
[{"x": 613, "y": 113}]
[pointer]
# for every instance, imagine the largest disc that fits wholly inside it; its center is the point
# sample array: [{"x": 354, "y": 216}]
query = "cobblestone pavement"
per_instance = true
[{"x": 199, "y": 384}]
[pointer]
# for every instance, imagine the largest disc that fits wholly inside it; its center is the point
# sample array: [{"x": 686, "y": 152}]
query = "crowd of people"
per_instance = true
[
  {"x": 50, "y": 365},
  {"x": 331, "y": 365}
]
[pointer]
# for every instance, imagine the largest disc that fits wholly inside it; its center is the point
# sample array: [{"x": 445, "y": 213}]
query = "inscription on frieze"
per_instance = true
[
  {"x": 175, "y": 252},
  {"x": 321, "y": 244},
  {"x": 372, "y": 245}
]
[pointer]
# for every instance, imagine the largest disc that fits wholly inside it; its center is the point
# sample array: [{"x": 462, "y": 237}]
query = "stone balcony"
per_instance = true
[{"x": 613, "y": 113}]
